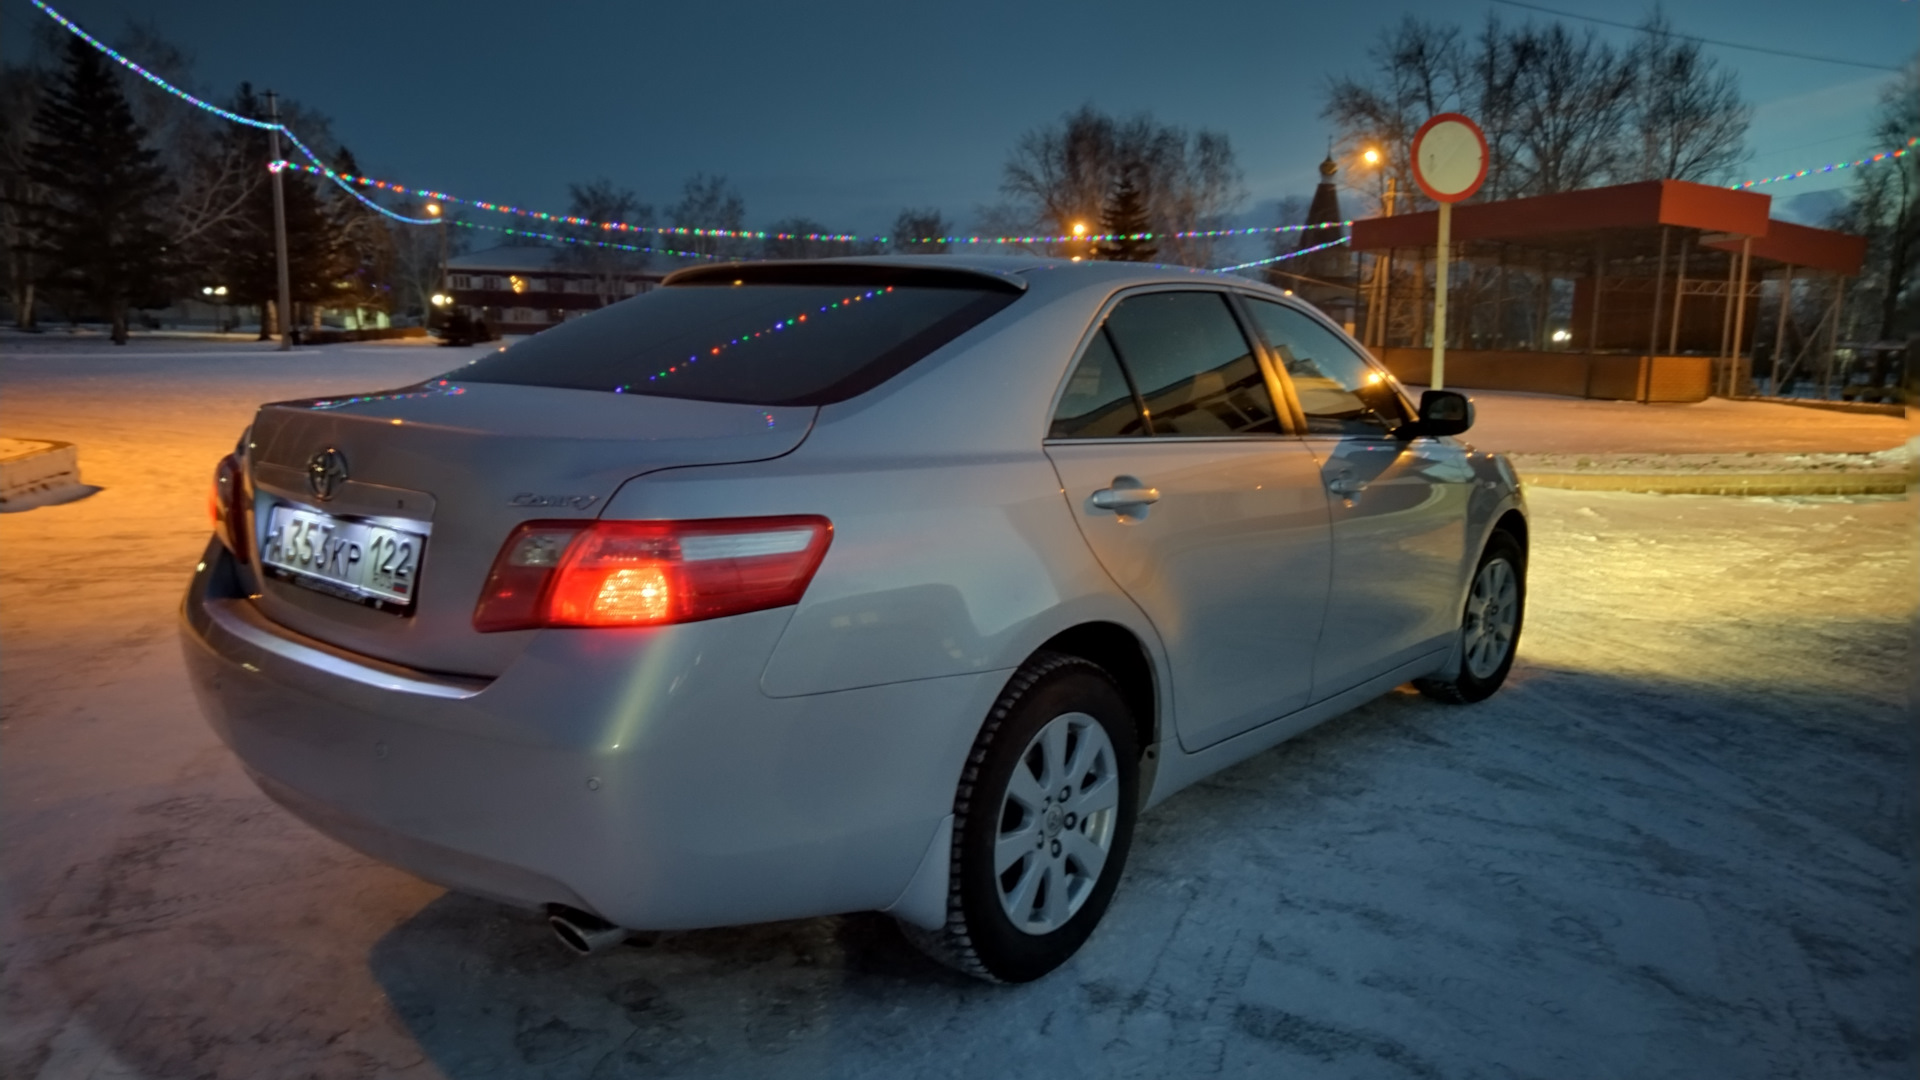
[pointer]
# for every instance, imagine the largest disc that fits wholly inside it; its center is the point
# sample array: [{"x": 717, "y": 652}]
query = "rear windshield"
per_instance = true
[{"x": 759, "y": 342}]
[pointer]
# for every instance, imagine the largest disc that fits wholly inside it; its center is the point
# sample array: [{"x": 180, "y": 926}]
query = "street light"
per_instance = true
[
  {"x": 1376, "y": 328},
  {"x": 439, "y": 300}
]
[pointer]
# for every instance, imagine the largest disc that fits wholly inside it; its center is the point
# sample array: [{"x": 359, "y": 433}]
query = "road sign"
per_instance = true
[
  {"x": 1449, "y": 158},
  {"x": 1449, "y": 164}
]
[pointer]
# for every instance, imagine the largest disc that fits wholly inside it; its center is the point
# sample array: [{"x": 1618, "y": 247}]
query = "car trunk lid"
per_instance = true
[{"x": 462, "y": 464}]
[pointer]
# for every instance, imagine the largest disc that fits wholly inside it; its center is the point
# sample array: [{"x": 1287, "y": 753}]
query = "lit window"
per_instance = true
[{"x": 518, "y": 283}]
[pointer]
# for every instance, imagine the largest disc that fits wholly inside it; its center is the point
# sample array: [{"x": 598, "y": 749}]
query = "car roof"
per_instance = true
[{"x": 1042, "y": 273}]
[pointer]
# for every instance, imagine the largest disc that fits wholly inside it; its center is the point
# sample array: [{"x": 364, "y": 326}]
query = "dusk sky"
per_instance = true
[{"x": 848, "y": 112}]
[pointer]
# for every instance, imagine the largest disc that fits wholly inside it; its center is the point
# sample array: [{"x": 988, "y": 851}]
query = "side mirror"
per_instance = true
[{"x": 1442, "y": 412}]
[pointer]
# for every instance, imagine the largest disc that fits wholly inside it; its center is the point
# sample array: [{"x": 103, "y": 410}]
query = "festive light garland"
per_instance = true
[
  {"x": 756, "y": 234},
  {"x": 584, "y": 243},
  {"x": 1870, "y": 159},
  {"x": 1282, "y": 258},
  {"x": 568, "y": 219},
  {"x": 224, "y": 114}
]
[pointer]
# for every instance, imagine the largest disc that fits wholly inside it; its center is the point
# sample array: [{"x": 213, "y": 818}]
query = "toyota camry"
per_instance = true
[{"x": 793, "y": 589}]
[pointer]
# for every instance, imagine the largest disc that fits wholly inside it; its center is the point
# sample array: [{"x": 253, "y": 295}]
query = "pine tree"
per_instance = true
[
  {"x": 99, "y": 227},
  {"x": 1125, "y": 217}
]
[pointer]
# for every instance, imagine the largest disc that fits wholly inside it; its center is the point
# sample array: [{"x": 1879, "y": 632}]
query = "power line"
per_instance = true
[{"x": 1696, "y": 37}]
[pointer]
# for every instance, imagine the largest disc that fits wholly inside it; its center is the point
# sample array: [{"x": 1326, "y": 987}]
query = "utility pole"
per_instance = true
[{"x": 280, "y": 225}]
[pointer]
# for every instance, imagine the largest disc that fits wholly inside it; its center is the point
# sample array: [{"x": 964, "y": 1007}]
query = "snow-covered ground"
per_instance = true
[{"x": 1679, "y": 843}]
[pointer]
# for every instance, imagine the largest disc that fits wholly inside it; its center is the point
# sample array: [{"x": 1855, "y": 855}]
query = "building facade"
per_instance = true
[{"x": 518, "y": 289}]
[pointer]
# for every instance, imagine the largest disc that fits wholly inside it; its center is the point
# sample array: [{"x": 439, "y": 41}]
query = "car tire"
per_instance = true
[
  {"x": 1056, "y": 763},
  {"x": 1489, "y": 625}
]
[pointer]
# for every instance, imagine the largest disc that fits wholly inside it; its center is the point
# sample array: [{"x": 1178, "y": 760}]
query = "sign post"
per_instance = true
[{"x": 1449, "y": 164}]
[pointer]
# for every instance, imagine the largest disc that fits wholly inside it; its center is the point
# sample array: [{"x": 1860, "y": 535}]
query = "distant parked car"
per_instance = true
[{"x": 791, "y": 589}]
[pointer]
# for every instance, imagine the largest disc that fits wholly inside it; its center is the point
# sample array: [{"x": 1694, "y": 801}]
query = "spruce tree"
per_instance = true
[
  {"x": 1125, "y": 218},
  {"x": 99, "y": 227}
]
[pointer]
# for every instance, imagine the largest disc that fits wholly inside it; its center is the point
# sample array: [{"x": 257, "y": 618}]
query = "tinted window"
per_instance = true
[
  {"x": 1339, "y": 390},
  {"x": 1191, "y": 365},
  {"x": 1098, "y": 402},
  {"x": 760, "y": 344}
]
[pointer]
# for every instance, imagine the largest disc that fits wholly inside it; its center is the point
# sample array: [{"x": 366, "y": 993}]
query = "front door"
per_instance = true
[
  {"x": 1199, "y": 505},
  {"x": 1399, "y": 508}
]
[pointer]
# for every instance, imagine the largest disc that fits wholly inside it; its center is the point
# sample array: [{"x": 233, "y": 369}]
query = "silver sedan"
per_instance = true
[{"x": 791, "y": 589}]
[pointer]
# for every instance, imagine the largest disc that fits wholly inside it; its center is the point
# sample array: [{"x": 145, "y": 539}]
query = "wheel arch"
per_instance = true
[
  {"x": 1121, "y": 653},
  {"x": 1514, "y": 524}
]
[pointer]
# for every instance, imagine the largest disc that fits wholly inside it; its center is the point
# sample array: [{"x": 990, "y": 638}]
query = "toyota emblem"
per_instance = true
[{"x": 326, "y": 471}]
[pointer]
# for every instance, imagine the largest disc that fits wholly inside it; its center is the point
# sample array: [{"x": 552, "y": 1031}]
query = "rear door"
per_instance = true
[
  {"x": 1399, "y": 509},
  {"x": 1199, "y": 504}
]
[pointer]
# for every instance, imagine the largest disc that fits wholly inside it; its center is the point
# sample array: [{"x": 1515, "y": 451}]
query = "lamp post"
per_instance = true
[
  {"x": 280, "y": 224},
  {"x": 440, "y": 277},
  {"x": 1376, "y": 330},
  {"x": 1079, "y": 231}
]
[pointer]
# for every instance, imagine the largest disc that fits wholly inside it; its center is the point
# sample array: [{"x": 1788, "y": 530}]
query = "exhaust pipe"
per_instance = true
[{"x": 584, "y": 933}]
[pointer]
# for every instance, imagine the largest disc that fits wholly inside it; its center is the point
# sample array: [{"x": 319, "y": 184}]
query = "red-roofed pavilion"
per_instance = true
[{"x": 1666, "y": 279}]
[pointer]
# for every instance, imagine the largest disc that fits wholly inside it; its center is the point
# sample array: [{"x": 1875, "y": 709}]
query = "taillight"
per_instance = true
[
  {"x": 647, "y": 573},
  {"x": 227, "y": 506}
]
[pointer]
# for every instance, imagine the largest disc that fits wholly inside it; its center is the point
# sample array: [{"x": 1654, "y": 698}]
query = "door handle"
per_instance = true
[
  {"x": 1128, "y": 497},
  {"x": 1346, "y": 485}
]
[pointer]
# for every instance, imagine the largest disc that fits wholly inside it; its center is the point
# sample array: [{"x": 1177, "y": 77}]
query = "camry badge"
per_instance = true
[
  {"x": 575, "y": 502},
  {"x": 326, "y": 471}
]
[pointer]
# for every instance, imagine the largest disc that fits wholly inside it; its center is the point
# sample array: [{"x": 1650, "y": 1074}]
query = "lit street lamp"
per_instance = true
[
  {"x": 440, "y": 279},
  {"x": 1376, "y": 328}
]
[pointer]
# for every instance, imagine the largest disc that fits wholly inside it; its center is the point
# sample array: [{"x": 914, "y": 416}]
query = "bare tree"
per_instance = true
[
  {"x": 1062, "y": 175},
  {"x": 1688, "y": 113},
  {"x": 1571, "y": 110},
  {"x": 1885, "y": 208},
  {"x": 920, "y": 231},
  {"x": 708, "y": 201},
  {"x": 799, "y": 238},
  {"x": 593, "y": 251},
  {"x": 218, "y": 170},
  {"x": 1416, "y": 71},
  {"x": 1560, "y": 110}
]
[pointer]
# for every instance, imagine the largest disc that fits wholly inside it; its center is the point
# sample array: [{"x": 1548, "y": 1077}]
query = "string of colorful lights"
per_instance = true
[
  {"x": 568, "y": 219},
  {"x": 265, "y": 125},
  {"x": 347, "y": 183},
  {"x": 1281, "y": 258},
  {"x": 755, "y": 234},
  {"x": 1870, "y": 159},
  {"x": 584, "y": 243}
]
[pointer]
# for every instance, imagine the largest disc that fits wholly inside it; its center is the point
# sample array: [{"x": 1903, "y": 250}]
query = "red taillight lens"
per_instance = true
[
  {"x": 646, "y": 573},
  {"x": 227, "y": 506}
]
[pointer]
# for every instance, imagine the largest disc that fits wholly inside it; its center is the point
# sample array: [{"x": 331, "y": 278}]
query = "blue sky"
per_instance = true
[{"x": 848, "y": 112}]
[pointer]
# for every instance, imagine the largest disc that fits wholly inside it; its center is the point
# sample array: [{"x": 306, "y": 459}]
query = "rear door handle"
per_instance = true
[
  {"x": 1128, "y": 497},
  {"x": 1346, "y": 485}
]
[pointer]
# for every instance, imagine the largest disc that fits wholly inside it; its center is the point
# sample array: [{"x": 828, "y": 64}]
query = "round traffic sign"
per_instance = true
[{"x": 1449, "y": 158}]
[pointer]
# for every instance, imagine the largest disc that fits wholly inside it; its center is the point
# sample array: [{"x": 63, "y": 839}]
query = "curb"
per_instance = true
[{"x": 1805, "y": 483}]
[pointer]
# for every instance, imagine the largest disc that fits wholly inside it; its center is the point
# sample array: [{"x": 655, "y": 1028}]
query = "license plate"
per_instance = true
[{"x": 355, "y": 559}]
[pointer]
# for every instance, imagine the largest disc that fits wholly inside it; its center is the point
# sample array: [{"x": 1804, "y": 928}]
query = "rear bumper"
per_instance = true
[{"x": 638, "y": 774}]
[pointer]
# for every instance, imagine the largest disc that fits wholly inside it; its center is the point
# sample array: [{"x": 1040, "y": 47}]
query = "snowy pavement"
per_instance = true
[{"x": 1678, "y": 844}]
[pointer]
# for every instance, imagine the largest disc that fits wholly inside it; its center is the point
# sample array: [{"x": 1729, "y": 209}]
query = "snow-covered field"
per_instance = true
[{"x": 1678, "y": 844}]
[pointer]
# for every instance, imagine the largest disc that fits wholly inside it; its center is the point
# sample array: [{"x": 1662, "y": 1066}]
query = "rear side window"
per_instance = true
[
  {"x": 1182, "y": 356},
  {"x": 1099, "y": 402},
  {"x": 759, "y": 342}
]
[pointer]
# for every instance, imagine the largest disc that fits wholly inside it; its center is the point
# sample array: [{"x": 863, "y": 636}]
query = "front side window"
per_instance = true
[
  {"x": 1339, "y": 390},
  {"x": 1183, "y": 365}
]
